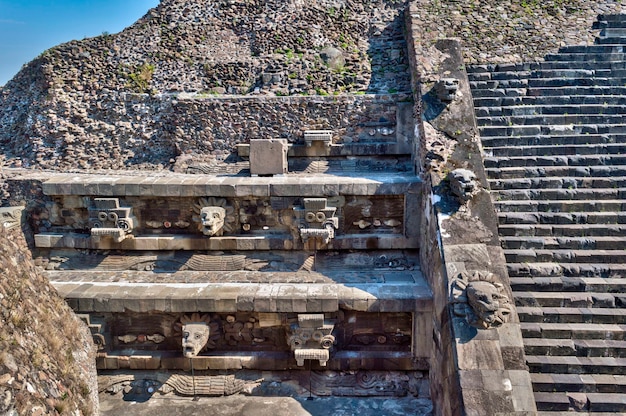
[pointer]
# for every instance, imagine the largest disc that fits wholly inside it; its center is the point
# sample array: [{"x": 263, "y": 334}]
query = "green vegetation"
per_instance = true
[{"x": 140, "y": 79}]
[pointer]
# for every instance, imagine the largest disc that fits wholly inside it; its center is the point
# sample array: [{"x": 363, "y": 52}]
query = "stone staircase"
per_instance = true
[{"x": 554, "y": 141}]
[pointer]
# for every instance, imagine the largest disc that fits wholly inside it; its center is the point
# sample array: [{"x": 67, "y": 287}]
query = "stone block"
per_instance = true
[
  {"x": 484, "y": 355},
  {"x": 111, "y": 363},
  {"x": 268, "y": 157}
]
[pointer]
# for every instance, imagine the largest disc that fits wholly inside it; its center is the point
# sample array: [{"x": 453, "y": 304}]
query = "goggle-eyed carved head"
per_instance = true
[
  {"x": 195, "y": 337},
  {"x": 212, "y": 220}
]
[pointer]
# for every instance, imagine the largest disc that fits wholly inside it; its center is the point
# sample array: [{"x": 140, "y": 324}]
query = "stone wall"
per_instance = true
[
  {"x": 70, "y": 109},
  {"x": 137, "y": 130},
  {"x": 474, "y": 371},
  {"x": 47, "y": 361},
  {"x": 510, "y": 31}
]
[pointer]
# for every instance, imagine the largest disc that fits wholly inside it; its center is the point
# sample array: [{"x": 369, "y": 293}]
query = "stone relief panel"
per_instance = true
[
  {"x": 320, "y": 383},
  {"x": 368, "y": 383},
  {"x": 480, "y": 299},
  {"x": 371, "y": 214},
  {"x": 385, "y": 332},
  {"x": 147, "y": 384}
]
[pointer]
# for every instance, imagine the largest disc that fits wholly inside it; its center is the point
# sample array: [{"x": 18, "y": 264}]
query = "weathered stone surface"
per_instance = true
[{"x": 47, "y": 352}]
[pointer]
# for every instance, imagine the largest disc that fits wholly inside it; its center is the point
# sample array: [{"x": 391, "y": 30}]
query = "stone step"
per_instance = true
[
  {"x": 562, "y": 218},
  {"x": 549, "y": 120},
  {"x": 562, "y": 206},
  {"x": 573, "y": 331},
  {"x": 523, "y": 90},
  {"x": 515, "y": 172},
  {"x": 547, "y": 65},
  {"x": 530, "y": 109},
  {"x": 612, "y": 33},
  {"x": 556, "y": 182},
  {"x": 613, "y": 80},
  {"x": 573, "y": 243},
  {"x": 585, "y": 57},
  {"x": 513, "y": 67},
  {"x": 600, "y": 348},
  {"x": 555, "y": 194},
  {"x": 596, "y": 404},
  {"x": 569, "y": 315},
  {"x": 612, "y": 40},
  {"x": 499, "y": 92},
  {"x": 553, "y": 140},
  {"x": 503, "y": 101},
  {"x": 570, "y": 284},
  {"x": 574, "y": 90},
  {"x": 568, "y": 256},
  {"x": 545, "y": 269},
  {"x": 591, "y": 383},
  {"x": 558, "y": 130},
  {"x": 577, "y": 348},
  {"x": 558, "y": 402},
  {"x": 499, "y": 83},
  {"x": 564, "y": 299},
  {"x": 553, "y": 160},
  {"x": 545, "y": 79},
  {"x": 591, "y": 231},
  {"x": 592, "y": 49},
  {"x": 611, "y": 19},
  {"x": 576, "y": 365}
]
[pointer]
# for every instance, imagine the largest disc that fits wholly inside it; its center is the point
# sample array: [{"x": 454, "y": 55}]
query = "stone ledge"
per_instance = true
[
  {"x": 229, "y": 186},
  {"x": 241, "y": 242},
  {"x": 339, "y": 361},
  {"x": 234, "y": 297}
]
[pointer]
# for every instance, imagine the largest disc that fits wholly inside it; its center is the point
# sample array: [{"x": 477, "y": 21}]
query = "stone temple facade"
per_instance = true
[{"x": 378, "y": 243}]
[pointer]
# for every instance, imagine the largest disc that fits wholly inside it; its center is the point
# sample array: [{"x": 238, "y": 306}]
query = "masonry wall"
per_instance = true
[{"x": 47, "y": 357}]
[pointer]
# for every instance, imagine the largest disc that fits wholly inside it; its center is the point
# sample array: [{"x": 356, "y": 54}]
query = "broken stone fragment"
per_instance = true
[{"x": 447, "y": 89}]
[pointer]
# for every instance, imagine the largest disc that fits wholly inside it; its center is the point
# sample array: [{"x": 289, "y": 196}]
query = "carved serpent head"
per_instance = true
[{"x": 480, "y": 299}]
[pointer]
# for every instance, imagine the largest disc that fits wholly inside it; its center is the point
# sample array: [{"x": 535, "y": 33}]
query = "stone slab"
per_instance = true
[
  {"x": 178, "y": 185},
  {"x": 144, "y": 297}
]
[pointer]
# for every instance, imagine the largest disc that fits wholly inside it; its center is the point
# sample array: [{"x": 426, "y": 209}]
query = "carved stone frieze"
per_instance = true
[
  {"x": 141, "y": 338},
  {"x": 147, "y": 384},
  {"x": 108, "y": 219},
  {"x": 214, "y": 216},
  {"x": 481, "y": 299},
  {"x": 311, "y": 338},
  {"x": 367, "y": 383},
  {"x": 317, "y": 219},
  {"x": 11, "y": 217}
]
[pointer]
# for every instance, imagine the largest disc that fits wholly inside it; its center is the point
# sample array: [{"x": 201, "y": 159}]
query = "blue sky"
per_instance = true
[{"x": 29, "y": 27}]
